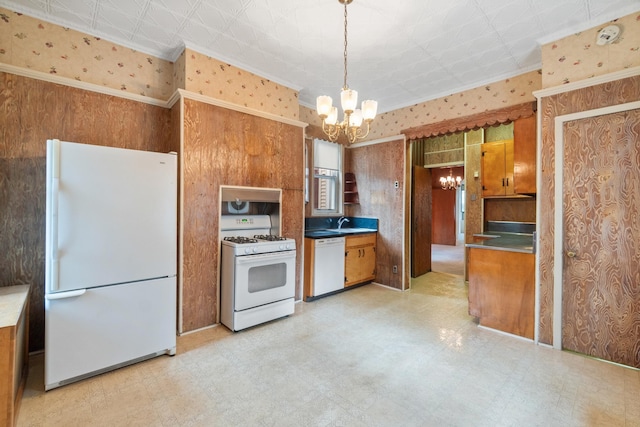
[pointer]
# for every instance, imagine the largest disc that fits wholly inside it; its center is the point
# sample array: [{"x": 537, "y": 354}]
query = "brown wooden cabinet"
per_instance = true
[
  {"x": 14, "y": 346},
  {"x": 360, "y": 259},
  {"x": 501, "y": 290},
  {"x": 497, "y": 168},
  {"x": 524, "y": 155}
]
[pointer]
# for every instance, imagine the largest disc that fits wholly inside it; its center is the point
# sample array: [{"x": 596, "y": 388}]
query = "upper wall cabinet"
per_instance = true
[
  {"x": 509, "y": 166},
  {"x": 497, "y": 168},
  {"x": 524, "y": 155}
]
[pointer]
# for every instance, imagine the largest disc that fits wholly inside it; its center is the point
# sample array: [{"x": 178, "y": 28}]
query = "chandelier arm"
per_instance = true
[{"x": 332, "y": 131}]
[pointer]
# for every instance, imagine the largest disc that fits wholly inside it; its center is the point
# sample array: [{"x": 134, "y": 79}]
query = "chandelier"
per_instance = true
[
  {"x": 350, "y": 126},
  {"x": 450, "y": 183}
]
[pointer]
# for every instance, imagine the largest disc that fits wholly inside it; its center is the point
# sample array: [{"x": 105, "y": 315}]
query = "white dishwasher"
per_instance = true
[{"x": 328, "y": 270}]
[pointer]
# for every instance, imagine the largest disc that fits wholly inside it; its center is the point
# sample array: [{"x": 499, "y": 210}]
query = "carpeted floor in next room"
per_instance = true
[{"x": 370, "y": 356}]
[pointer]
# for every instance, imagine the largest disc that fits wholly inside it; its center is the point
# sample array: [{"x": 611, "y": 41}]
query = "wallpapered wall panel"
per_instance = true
[
  {"x": 30, "y": 43},
  {"x": 578, "y": 57},
  {"x": 32, "y": 111},
  {"x": 208, "y": 76},
  {"x": 613, "y": 93},
  {"x": 377, "y": 167},
  {"x": 504, "y": 93},
  {"x": 226, "y": 147}
]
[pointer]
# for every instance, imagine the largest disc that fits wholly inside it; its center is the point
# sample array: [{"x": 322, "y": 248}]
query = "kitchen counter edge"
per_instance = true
[
  {"x": 326, "y": 234},
  {"x": 508, "y": 242}
]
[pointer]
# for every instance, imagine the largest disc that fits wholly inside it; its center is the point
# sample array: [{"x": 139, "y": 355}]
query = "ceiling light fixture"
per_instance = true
[
  {"x": 353, "y": 117},
  {"x": 449, "y": 183}
]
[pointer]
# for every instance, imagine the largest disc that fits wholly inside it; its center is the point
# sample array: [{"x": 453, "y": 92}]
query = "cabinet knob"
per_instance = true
[{"x": 571, "y": 254}]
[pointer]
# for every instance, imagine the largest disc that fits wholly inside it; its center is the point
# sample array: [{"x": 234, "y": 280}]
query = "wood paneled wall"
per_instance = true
[
  {"x": 226, "y": 147},
  {"x": 33, "y": 111},
  {"x": 377, "y": 167},
  {"x": 603, "y": 95},
  {"x": 510, "y": 209}
]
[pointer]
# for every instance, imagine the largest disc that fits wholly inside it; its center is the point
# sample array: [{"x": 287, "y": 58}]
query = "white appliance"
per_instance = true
[
  {"x": 328, "y": 269},
  {"x": 257, "y": 272},
  {"x": 110, "y": 270}
]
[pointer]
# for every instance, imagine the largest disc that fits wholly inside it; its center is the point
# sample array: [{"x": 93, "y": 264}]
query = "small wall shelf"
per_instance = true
[{"x": 350, "y": 189}]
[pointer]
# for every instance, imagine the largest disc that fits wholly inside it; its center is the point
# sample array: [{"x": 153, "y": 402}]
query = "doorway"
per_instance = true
[{"x": 447, "y": 249}]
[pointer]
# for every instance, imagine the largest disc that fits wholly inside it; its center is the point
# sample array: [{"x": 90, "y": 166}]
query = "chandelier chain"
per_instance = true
[{"x": 345, "y": 45}]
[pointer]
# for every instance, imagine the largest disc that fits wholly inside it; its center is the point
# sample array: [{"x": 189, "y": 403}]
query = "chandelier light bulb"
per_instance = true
[
  {"x": 332, "y": 118},
  {"x": 323, "y": 105},
  {"x": 369, "y": 109},
  {"x": 355, "y": 119},
  {"x": 349, "y": 98}
]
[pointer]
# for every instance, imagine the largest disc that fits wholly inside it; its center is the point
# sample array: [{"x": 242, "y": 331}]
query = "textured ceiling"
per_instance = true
[{"x": 400, "y": 52}]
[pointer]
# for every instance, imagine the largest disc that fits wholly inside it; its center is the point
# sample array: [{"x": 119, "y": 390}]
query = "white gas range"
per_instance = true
[{"x": 257, "y": 279}]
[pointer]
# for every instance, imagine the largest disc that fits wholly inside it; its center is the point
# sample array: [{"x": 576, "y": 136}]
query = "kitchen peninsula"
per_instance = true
[{"x": 502, "y": 276}]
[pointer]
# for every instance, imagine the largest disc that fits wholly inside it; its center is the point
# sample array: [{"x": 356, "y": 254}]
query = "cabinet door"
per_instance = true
[
  {"x": 492, "y": 169},
  {"x": 497, "y": 168},
  {"x": 368, "y": 263},
  {"x": 509, "y": 188},
  {"x": 524, "y": 155},
  {"x": 360, "y": 259},
  {"x": 360, "y": 265},
  {"x": 352, "y": 266}
]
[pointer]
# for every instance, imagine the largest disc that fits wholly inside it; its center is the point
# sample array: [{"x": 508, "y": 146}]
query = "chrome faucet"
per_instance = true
[{"x": 341, "y": 221}]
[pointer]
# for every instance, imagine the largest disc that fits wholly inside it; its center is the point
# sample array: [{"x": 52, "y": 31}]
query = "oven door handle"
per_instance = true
[{"x": 245, "y": 259}]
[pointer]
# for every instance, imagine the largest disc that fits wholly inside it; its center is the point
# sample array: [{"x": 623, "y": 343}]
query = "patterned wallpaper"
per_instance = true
[
  {"x": 578, "y": 57},
  {"x": 37, "y": 45},
  {"x": 208, "y": 76},
  {"x": 504, "y": 93}
]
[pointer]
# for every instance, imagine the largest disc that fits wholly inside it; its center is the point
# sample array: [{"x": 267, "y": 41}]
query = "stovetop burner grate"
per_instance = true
[
  {"x": 269, "y": 237},
  {"x": 240, "y": 239}
]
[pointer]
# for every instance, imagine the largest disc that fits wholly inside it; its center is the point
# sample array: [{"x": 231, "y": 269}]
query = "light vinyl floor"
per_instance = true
[{"x": 370, "y": 356}]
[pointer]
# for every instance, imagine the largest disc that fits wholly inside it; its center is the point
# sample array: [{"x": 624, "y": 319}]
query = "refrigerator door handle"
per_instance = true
[
  {"x": 55, "y": 177},
  {"x": 63, "y": 295}
]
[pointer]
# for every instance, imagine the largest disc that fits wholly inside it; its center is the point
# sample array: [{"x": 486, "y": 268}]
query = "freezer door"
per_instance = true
[
  {"x": 111, "y": 216},
  {"x": 101, "y": 329}
]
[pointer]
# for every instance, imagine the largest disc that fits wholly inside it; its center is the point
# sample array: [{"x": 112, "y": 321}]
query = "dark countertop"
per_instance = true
[
  {"x": 326, "y": 227},
  {"x": 502, "y": 241},
  {"x": 334, "y": 232}
]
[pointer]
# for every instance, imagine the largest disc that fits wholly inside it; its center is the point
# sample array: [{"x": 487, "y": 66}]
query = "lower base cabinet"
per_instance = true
[
  {"x": 501, "y": 290},
  {"x": 14, "y": 346},
  {"x": 360, "y": 259}
]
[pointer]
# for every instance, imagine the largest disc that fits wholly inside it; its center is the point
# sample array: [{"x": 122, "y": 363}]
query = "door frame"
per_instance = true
[{"x": 558, "y": 243}]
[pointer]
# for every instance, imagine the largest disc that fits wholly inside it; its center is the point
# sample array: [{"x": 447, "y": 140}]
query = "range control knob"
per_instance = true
[{"x": 281, "y": 247}]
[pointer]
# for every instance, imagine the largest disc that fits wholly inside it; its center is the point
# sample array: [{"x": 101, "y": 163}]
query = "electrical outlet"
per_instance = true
[
  {"x": 396, "y": 184},
  {"x": 395, "y": 269}
]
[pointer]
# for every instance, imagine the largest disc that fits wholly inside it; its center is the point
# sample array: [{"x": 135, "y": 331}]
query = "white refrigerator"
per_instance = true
[{"x": 110, "y": 270}]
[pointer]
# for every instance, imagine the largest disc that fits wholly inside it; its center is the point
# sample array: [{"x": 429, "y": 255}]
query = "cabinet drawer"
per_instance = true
[{"x": 361, "y": 240}]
